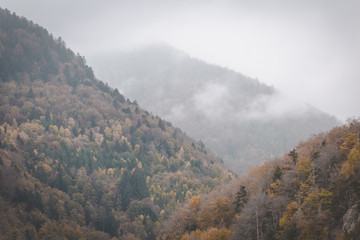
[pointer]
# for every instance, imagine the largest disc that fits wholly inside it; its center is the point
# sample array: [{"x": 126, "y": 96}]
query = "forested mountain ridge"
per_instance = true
[
  {"x": 243, "y": 120},
  {"x": 310, "y": 193},
  {"x": 78, "y": 160}
]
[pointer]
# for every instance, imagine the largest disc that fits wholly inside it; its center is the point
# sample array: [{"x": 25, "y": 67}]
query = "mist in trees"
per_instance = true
[{"x": 243, "y": 120}]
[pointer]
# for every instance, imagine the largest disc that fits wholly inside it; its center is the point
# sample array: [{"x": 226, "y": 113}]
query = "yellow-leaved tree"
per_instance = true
[{"x": 352, "y": 162}]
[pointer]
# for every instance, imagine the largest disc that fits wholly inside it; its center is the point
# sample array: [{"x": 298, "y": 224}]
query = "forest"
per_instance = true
[
  {"x": 78, "y": 160},
  {"x": 310, "y": 193}
]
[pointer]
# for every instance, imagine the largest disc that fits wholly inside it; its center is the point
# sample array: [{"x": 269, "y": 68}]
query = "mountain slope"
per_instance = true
[
  {"x": 241, "y": 119},
  {"x": 310, "y": 193},
  {"x": 78, "y": 160}
]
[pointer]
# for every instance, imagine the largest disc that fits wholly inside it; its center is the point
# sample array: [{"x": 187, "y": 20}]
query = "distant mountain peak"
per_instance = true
[{"x": 240, "y": 118}]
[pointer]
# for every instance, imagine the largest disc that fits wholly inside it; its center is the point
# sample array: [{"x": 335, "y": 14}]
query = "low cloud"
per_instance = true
[
  {"x": 269, "y": 107},
  {"x": 212, "y": 100}
]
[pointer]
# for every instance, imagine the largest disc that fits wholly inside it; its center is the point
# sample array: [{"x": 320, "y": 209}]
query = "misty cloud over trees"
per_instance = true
[{"x": 243, "y": 120}]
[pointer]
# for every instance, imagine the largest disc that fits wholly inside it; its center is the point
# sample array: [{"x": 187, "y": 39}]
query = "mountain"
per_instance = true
[
  {"x": 78, "y": 160},
  {"x": 310, "y": 193},
  {"x": 242, "y": 120}
]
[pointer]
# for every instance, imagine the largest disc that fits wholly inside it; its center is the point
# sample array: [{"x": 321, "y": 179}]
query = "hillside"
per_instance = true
[
  {"x": 78, "y": 160},
  {"x": 310, "y": 193},
  {"x": 242, "y": 120}
]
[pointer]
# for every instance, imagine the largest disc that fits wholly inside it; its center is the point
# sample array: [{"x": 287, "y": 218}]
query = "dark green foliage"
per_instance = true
[
  {"x": 277, "y": 174},
  {"x": 116, "y": 104},
  {"x": 126, "y": 110},
  {"x": 132, "y": 186},
  {"x": 93, "y": 120},
  {"x": 117, "y": 146},
  {"x": 138, "y": 208},
  {"x": 161, "y": 125},
  {"x": 126, "y": 189},
  {"x": 241, "y": 199},
  {"x": 104, "y": 87},
  {"x": 293, "y": 155},
  {"x": 30, "y": 94}
]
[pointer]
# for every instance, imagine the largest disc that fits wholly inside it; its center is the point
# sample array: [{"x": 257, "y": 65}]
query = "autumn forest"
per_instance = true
[{"x": 79, "y": 160}]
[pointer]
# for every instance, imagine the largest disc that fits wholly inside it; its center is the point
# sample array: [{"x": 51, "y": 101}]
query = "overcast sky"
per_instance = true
[{"x": 309, "y": 49}]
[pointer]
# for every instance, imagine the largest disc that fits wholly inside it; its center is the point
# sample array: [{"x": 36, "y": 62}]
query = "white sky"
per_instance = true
[{"x": 309, "y": 49}]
